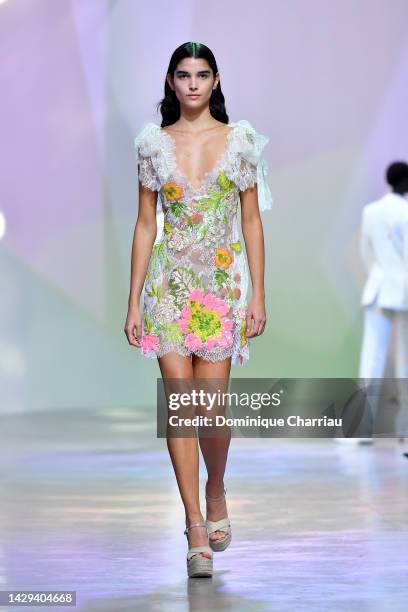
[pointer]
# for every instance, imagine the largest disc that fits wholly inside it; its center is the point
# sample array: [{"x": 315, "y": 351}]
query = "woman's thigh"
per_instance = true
[
  {"x": 173, "y": 365},
  {"x": 178, "y": 380},
  {"x": 212, "y": 379},
  {"x": 211, "y": 369}
]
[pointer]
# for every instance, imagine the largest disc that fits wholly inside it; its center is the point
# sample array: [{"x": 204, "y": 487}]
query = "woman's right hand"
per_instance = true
[{"x": 133, "y": 326}]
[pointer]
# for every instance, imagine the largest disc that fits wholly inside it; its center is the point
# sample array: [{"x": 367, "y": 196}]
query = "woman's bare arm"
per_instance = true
[
  {"x": 254, "y": 242},
  {"x": 143, "y": 239}
]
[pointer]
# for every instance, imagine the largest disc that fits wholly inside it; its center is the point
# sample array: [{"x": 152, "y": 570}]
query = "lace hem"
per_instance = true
[{"x": 239, "y": 356}]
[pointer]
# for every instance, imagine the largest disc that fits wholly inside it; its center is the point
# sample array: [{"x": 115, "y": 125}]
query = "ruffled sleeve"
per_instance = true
[
  {"x": 247, "y": 165},
  {"x": 147, "y": 147}
]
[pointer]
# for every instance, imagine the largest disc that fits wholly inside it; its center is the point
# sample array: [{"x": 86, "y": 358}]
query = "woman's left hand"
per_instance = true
[{"x": 255, "y": 315}]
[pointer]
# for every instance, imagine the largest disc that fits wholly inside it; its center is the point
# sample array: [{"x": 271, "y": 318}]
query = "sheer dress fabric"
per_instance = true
[{"x": 195, "y": 293}]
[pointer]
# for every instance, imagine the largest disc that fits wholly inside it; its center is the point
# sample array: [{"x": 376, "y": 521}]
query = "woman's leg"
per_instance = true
[
  {"x": 215, "y": 449},
  {"x": 184, "y": 451}
]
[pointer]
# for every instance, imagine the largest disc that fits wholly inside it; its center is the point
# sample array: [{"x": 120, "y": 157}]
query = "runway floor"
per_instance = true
[{"x": 89, "y": 503}]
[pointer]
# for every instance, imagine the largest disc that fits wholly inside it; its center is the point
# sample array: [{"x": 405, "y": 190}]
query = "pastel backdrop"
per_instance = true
[{"x": 326, "y": 81}]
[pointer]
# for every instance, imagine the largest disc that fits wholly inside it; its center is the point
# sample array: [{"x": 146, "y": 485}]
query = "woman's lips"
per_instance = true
[{"x": 194, "y": 96}]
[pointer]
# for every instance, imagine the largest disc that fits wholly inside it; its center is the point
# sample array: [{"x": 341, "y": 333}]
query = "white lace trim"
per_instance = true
[
  {"x": 239, "y": 355},
  {"x": 208, "y": 177},
  {"x": 242, "y": 161}
]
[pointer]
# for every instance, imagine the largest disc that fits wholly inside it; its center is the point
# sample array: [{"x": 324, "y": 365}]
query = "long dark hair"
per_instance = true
[{"x": 169, "y": 106}]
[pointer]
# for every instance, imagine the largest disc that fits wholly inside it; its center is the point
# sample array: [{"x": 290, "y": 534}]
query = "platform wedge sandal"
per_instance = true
[
  {"x": 221, "y": 525},
  {"x": 197, "y": 565}
]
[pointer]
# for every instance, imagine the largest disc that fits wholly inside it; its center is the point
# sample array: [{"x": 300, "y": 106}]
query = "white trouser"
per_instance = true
[{"x": 378, "y": 327}]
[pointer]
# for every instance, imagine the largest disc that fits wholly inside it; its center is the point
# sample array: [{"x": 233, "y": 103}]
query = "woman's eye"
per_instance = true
[{"x": 184, "y": 76}]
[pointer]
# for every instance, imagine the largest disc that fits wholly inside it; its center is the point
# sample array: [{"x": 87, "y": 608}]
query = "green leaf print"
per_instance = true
[
  {"x": 209, "y": 202},
  {"x": 206, "y": 205},
  {"x": 222, "y": 278},
  {"x": 202, "y": 231},
  {"x": 159, "y": 249},
  {"x": 158, "y": 260},
  {"x": 148, "y": 323},
  {"x": 224, "y": 182},
  {"x": 182, "y": 281},
  {"x": 173, "y": 333},
  {"x": 156, "y": 328},
  {"x": 178, "y": 208},
  {"x": 155, "y": 290}
]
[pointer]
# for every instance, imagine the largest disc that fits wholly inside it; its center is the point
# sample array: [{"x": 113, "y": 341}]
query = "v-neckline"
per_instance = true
[{"x": 216, "y": 168}]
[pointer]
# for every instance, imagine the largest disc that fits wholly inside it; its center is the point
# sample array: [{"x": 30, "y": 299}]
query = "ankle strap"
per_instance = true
[
  {"x": 214, "y": 498},
  {"x": 194, "y": 525}
]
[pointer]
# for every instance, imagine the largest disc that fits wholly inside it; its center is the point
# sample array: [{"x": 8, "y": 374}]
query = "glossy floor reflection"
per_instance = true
[{"x": 89, "y": 503}]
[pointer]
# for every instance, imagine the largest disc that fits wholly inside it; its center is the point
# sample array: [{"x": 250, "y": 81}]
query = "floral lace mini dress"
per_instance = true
[{"x": 195, "y": 293}]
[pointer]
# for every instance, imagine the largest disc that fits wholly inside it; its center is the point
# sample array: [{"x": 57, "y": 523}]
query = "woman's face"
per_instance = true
[{"x": 193, "y": 82}]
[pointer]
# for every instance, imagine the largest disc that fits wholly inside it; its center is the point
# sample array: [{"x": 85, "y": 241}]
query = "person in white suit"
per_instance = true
[{"x": 384, "y": 253}]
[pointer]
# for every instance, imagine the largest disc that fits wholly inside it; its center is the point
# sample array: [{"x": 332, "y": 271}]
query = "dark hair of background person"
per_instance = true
[
  {"x": 397, "y": 176},
  {"x": 169, "y": 106}
]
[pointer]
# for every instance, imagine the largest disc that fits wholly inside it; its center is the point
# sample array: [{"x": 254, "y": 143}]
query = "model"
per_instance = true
[{"x": 195, "y": 318}]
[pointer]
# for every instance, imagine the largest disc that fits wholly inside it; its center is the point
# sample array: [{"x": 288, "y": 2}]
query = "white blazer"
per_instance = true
[{"x": 384, "y": 252}]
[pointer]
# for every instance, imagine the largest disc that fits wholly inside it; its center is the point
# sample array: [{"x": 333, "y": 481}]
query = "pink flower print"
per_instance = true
[
  {"x": 196, "y": 295},
  {"x": 204, "y": 321},
  {"x": 193, "y": 342},
  {"x": 226, "y": 339},
  {"x": 149, "y": 343},
  {"x": 186, "y": 312},
  {"x": 215, "y": 303},
  {"x": 210, "y": 343},
  {"x": 228, "y": 324},
  {"x": 237, "y": 277}
]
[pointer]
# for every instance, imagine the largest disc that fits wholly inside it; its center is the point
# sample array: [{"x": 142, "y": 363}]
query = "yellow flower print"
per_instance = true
[
  {"x": 172, "y": 191},
  {"x": 236, "y": 246},
  {"x": 223, "y": 258},
  {"x": 243, "y": 333},
  {"x": 224, "y": 182}
]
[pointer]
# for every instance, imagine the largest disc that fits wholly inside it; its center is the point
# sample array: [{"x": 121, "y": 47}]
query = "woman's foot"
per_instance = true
[
  {"x": 197, "y": 536},
  {"x": 216, "y": 509}
]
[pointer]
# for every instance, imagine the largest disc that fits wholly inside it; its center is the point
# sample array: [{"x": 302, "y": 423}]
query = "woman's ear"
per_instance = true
[{"x": 170, "y": 80}]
